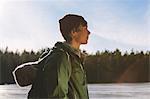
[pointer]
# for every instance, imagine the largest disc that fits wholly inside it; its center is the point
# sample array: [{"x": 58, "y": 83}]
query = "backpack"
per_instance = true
[
  {"x": 25, "y": 74},
  {"x": 39, "y": 89}
]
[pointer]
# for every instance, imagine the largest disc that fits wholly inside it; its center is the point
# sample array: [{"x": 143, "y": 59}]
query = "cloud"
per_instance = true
[
  {"x": 23, "y": 25},
  {"x": 97, "y": 42},
  {"x": 33, "y": 24},
  {"x": 111, "y": 24}
]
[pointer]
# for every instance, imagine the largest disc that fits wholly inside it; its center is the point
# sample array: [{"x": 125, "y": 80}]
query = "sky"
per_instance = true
[{"x": 33, "y": 24}]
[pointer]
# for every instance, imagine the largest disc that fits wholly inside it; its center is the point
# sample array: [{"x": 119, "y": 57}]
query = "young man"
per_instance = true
[{"x": 63, "y": 75}]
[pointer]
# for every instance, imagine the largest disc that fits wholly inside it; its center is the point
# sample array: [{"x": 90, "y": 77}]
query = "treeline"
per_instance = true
[
  {"x": 10, "y": 60},
  {"x": 101, "y": 67},
  {"x": 105, "y": 67}
]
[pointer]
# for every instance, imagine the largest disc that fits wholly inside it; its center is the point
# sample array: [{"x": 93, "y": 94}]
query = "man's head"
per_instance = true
[{"x": 71, "y": 23}]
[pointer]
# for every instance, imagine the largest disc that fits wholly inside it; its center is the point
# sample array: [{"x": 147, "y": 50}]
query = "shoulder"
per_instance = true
[
  {"x": 61, "y": 53},
  {"x": 58, "y": 58},
  {"x": 57, "y": 55}
]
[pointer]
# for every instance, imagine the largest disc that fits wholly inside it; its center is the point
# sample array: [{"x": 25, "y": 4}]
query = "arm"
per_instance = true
[
  {"x": 64, "y": 72},
  {"x": 57, "y": 77}
]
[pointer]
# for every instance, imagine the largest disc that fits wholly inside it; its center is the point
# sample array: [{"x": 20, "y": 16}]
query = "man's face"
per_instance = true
[{"x": 82, "y": 35}]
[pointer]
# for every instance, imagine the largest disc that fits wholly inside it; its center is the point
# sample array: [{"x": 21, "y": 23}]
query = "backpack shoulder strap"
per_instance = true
[{"x": 43, "y": 57}]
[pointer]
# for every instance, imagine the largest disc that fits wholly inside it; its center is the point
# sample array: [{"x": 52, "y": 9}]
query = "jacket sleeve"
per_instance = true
[
  {"x": 63, "y": 65},
  {"x": 64, "y": 72}
]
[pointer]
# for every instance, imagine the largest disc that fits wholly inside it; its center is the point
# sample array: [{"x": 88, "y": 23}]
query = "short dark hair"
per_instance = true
[{"x": 69, "y": 23}]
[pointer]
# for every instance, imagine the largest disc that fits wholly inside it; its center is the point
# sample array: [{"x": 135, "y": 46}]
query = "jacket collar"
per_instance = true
[
  {"x": 68, "y": 47},
  {"x": 65, "y": 46}
]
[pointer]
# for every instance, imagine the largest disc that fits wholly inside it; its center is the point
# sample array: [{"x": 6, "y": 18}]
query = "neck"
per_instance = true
[{"x": 75, "y": 45}]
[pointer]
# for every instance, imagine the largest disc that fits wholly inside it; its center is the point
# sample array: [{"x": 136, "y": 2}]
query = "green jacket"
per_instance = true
[{"x": 62, "y": 76}]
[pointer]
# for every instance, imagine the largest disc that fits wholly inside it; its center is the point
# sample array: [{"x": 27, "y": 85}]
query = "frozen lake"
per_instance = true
[{"x": 97, "y": 91}]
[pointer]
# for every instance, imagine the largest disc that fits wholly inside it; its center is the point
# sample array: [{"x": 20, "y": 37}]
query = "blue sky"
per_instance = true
[{"x": 33, "y": 24}]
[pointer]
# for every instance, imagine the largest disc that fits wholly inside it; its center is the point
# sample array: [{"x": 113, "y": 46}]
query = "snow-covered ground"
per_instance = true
[{"x": 96, "y": 91}]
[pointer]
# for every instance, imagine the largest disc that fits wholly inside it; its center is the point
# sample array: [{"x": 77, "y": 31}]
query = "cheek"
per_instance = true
[
  {"x": 78, "y": 38},
  {"x": 83, "y": 38}
]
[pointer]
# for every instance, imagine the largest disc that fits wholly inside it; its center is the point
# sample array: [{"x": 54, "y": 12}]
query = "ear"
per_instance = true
[{"x": 73, "y": 33}]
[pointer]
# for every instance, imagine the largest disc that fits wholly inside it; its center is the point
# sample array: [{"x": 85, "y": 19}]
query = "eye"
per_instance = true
[{"x": 85, "y": 27}]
